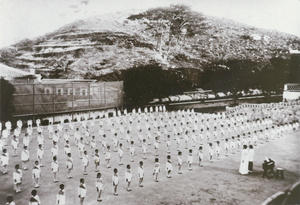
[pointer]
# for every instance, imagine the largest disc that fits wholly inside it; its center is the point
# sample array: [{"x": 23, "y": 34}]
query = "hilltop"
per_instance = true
[{"x": 100, "y": 45}]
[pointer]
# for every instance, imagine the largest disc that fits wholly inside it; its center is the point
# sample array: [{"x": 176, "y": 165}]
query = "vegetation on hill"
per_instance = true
[{"x": 195, "y": 50}]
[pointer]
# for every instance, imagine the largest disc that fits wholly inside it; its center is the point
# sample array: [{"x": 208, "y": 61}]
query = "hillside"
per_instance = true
[{"x": 102, "y": 44}]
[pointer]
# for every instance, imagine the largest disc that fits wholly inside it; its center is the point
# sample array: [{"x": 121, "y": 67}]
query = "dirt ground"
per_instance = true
[{"x": 214, "y": 183}]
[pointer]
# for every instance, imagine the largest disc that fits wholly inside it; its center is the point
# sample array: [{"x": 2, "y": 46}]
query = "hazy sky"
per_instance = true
[{"x": 21, "y": 19}]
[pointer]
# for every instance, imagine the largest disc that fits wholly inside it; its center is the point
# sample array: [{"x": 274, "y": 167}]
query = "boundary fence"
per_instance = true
[{"x": 50, "y": 99}]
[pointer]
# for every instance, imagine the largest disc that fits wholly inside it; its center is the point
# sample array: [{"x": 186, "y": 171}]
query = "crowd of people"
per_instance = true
[{"x": 183, "y": 135}]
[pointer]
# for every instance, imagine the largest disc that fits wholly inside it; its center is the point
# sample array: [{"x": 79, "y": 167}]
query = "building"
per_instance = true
[
  {"x": 291, "y": 91},
  {"x": 46, "y": 98}
]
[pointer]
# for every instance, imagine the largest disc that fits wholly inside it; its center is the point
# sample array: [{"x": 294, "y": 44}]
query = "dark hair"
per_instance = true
[
  {"x": 81, "y": 180},
  {"x": 33, "y": 192},
  {"x": 62, "y": 186},
  {"x": 9, "y": 199}
]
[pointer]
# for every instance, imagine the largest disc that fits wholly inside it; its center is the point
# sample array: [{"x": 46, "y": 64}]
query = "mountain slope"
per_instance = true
[{"x": 103, "y": 44}]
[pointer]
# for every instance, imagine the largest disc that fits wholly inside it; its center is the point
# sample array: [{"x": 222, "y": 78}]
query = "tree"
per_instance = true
[
  {"x": 172, "y": 24},
  {"x": 6, "y": 100},
  {"x": 144, "y": 83}
]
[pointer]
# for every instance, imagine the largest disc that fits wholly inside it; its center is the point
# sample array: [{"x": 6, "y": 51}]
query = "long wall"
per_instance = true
[{"x": 41, "y": 99}]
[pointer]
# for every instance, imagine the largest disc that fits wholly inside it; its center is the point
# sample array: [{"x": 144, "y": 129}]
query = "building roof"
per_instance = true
[{"x": 9, "y": 72}]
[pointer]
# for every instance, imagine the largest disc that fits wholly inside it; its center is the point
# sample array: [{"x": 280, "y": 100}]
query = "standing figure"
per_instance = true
[
  {"x": 35, "y": 199},
  {"x": 132, "y": 151},
  {"x": 54, "y": 168},
  {"x": 25, "y": 157},
  {"x": 190, "y": 159},
  {"x": 107, "y": 157},
  {"x": 128, "y": 177},
  {"x": 17, "y": 176},
  {"x": 69, "y": 164},
  {"x": 141, "y": 173},
  {"x": 61, "y": 197},
  {"x": 244, "y": 161},
  {"x": 85, "y": 162},
  {"x": 99, "y": 187},
  {"x": 40, "y": 154},
  {"x": 211, "y": 153},
  {"x": 97, "y": 160},
  {"x": 115, "y": 180},
  {"x": 4, "y": 161},
  {"x": 156, "y": 169},
  {"x": 179, "y": 162},
  {"x": 120, "y": 153},
  {"x": 36, "y": 174},
  {"x": 250, "y": 158},
  {"x": 81, "y": 191},
  {"x": 200, "y": 156},
  {"x": 169, "y": 166}
]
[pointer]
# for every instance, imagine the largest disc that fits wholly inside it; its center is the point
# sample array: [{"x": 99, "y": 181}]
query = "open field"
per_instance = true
[{"x": 214, "y": 183}]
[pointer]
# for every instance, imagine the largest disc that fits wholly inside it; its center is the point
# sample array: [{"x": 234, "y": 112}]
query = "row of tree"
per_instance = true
[{"x": 144, "y": 83}]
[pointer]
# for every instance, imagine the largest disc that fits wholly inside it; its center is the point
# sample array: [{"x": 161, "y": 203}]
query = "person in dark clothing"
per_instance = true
[
  {"x": 271, "y": 165},
  {"x": 265, "y": 168}
]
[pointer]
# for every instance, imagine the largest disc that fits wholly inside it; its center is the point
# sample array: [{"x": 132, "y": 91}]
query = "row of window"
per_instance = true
[{"x": 82, "y": 91}]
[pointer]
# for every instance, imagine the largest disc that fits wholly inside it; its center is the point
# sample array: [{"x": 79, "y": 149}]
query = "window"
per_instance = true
[
  {"x": 70, "y": 91},
  {"x": 83, "y": 91},
  {"x": 94, "y": 90},
  {"x": 48, "y": 90},
  {"x": 59, "y": 91}
]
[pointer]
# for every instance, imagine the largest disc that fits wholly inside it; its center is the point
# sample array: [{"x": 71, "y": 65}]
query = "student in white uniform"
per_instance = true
[
  {"x": 99, "y": 187},
  {"x": 14, "y": 145},
  {"x": 69, "y": 165},
  {"x": 17, "y": 177},
  {"x": 4, "y": 161},
  {"x": 200, "y": 155},
  {"x": 25, "y": 157},
  {"x": 97, "y": 160},
  {"x": 218, "y": 150},
  {"x": 36, "y": 174},
  {"x": 115, "y": 180},
  {"x": 156, "y": 169},
  {"x": 190, "y": 160},
  {"x": 169, "y": 166},
  {"x": 120, "y": 153},
  {"x": 35, "y": 199},
  {"x": 141, "y": 174},
  {"x": 179, "y": 162},
  {"x": 55, "y": 169},
  {"x": 61, "y": 196},
  {"x": 81, "y": 191},
  {"x": 85, "y": 162},
  {"x": 107, "y": 157},
  {"x": 128, "y": 177}
]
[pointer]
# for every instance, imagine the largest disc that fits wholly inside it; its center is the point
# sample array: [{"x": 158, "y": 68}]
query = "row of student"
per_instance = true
[
  {"x": 252, "y": 139},
  {"x": 163, "y": 122}
]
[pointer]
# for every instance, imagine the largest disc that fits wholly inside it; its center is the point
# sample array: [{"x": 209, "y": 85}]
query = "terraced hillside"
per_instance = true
[{"x": 104, "y": 44}]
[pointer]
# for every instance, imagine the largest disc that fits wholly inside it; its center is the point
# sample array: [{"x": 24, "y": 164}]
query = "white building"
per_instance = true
[{"x": 291, "y": 91}]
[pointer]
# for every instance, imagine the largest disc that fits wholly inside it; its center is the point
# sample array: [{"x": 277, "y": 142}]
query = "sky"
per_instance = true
[{"x": 20, "y": 19}]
